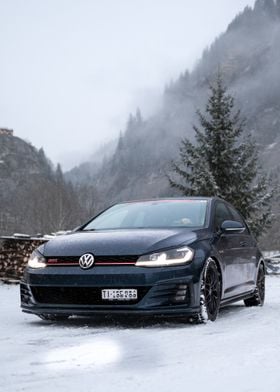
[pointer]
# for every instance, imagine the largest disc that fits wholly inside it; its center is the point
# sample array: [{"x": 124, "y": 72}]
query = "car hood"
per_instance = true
[{"x": 118, "y": 242}]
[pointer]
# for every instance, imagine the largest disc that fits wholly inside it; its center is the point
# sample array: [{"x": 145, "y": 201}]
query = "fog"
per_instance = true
[{"x": 71, "y": 71}]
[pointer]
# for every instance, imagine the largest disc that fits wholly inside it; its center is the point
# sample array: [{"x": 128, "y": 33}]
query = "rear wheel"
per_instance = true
[
  {"x": 259, "y": 295},
  {"x": 210, "y": 293},
  {"x": 53, "y": 317}
]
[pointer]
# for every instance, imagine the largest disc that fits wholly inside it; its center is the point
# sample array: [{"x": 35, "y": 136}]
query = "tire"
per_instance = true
[
  {"x": 53, "y": 317},
  {"x": 210, "y": 293},
  {"x": 259, "y": 295}
]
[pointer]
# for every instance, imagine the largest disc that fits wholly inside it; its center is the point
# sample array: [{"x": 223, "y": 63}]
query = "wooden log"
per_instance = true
[{"x": 14, "y": 255}]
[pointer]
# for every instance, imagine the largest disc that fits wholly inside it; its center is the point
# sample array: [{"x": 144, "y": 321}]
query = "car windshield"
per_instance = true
[{"x": 153, "y": 214}]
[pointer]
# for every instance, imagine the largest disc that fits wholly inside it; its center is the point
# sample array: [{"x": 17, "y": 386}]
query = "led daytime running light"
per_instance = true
[
  {"x": 171, "y": 257},
  {"x": 36, "y": 260}
]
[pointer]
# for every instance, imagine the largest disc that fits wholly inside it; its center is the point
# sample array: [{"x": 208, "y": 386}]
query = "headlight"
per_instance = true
[
  {"x": 36, "y": 260},
  {"x": 168, "y": 258}
]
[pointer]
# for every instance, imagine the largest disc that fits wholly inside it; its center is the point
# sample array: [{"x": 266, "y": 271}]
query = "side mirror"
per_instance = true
[{"x": 229, "y": 226}]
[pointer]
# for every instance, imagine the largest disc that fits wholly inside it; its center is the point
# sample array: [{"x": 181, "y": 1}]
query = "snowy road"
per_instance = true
[{"x": 239, "y": 352}]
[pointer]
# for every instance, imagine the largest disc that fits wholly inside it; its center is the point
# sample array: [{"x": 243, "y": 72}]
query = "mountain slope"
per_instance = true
[{"x": 34, "y": 198}]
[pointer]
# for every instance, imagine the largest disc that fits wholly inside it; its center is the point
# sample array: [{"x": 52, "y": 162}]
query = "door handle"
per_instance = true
[{"x": 243, "y": 243}]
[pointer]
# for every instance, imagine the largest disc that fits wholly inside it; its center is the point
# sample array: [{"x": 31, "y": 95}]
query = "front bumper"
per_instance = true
[{"x": 72, "y": 291}]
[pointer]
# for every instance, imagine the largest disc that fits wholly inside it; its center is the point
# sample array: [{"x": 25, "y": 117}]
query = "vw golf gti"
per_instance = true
[{"x": 170, "y": 257}]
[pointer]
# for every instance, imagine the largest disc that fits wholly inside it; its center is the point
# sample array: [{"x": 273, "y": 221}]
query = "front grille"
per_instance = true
[
  {"x": 122, "y": 260},
  {"x": 79, "y": 296},
  {"x": 98, "y": 260}
]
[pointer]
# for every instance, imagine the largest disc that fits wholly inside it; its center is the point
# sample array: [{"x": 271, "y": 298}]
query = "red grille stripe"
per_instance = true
[
  {"x": 59, "y": 263},
  {"x": 114, "y": 263}
]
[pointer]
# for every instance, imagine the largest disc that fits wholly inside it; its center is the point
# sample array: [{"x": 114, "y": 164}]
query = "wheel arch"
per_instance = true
[
  {"x": 260, "y": 262},
  {"x": 219, "y": 267},
  {"x": 215, "y": 259},
  {"x": 208, "y": 313}
]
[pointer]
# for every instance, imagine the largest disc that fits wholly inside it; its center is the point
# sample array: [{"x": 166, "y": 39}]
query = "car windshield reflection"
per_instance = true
[{"x": 153, "y": 214}]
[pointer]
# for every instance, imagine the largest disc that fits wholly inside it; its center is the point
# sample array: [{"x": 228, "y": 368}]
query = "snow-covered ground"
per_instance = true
[{"x": 239, "y": 352}]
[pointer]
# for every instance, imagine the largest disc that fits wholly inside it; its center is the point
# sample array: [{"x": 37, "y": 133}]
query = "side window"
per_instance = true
[
  {"x": 221, "y": 214},
  {"x": 237, "y": 217}
]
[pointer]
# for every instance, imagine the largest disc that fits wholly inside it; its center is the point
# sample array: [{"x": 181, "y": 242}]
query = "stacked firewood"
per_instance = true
[{"x": 14, "y": 254}]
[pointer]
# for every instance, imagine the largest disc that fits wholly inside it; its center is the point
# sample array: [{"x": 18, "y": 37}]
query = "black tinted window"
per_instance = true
[
  {"x": 221, "y": 214},
  {"x": 237, "y": 217}
]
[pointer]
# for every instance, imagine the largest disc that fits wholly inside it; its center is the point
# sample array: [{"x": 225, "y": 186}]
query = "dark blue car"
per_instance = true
[{"x": 180, "y": 257}]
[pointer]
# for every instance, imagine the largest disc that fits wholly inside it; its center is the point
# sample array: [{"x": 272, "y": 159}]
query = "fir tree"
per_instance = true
[
  {"x": 59, "y": 174},
  {"x": 224, "y": 162},
  {"x": 120, "y": 145},
  {"x": 268, "y": 6},
  {"x": 278, "y": 7}
]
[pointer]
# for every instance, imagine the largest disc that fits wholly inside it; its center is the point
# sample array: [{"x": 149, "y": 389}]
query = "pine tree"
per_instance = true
[
  {"x": 120, "y": 144},
  {"x": 224, "y": 162},
  {"x": 268, "y": 6},
  {"x": 278, "y": 7},
  {"x": 134, "y": 121},
  {"x": 58, "y": 174}
]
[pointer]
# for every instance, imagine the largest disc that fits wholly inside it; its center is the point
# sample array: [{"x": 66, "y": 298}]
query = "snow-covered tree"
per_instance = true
[{"x": 224, "y": 161}]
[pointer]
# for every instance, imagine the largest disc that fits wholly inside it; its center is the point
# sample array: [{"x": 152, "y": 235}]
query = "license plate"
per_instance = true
[{"x": 119, "y": 294}]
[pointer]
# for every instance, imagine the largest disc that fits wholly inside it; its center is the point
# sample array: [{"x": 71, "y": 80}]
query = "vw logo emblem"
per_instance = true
[{"x": 86, "y": 261}]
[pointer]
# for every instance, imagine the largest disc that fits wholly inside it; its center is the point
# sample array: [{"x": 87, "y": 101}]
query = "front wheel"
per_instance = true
[
  {"x": 259, "y": 294},
  {"x": 210, "y": 293}
]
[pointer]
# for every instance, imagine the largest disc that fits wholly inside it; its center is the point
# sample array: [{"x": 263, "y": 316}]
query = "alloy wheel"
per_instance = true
[
  {"x": 212, "y": 290},
  {"x": 210, "y": 293}
]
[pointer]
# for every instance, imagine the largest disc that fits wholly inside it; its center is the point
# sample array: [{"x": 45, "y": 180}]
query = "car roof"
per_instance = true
[{"x": 171, "y": 199}]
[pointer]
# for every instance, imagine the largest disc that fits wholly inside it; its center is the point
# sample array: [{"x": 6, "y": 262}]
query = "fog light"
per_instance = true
[{"x": 181, "y": 293}]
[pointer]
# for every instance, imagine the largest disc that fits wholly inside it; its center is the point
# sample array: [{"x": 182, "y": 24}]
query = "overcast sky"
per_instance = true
[{"x": 71, "y": 71}]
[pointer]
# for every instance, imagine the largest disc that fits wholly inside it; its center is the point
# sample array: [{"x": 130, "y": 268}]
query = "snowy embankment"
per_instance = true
[
  {"x": 273, "y": 267},
  {"x": 239, "y": 352}
]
